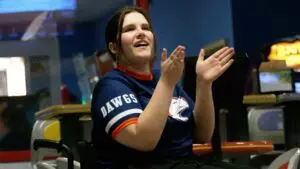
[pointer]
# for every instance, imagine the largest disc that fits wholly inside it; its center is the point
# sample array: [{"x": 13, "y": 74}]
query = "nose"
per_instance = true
[{"x": 140, "y": 33}]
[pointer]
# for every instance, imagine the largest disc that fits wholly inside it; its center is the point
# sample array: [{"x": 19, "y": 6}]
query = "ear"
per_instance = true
[{"x": 113, "y": 48}]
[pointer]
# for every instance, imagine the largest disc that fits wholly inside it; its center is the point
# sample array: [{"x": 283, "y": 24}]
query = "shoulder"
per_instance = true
[
  {"x": 112, "y": 80},
  {"x": 113, "y": 84},
  {"x": 113, "y": 76}
]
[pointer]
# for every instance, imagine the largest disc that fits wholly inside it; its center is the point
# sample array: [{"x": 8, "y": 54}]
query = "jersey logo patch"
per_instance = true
[
  {"x": 177, "y": 107},
  {"x": 116, "y": 102}
]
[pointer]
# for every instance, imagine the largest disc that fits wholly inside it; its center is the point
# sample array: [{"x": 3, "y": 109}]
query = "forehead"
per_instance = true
[{"x": 134, "y": 18}]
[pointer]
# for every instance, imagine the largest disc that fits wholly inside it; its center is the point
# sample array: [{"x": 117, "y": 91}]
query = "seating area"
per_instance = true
[
  {"x": 79, "y": 114},
  {"x": 266, "y": 139}
]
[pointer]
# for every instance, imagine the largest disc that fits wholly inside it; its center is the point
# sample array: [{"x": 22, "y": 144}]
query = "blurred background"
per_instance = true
[
  {"x": 52, "y": 52},
  {"x": 78, "y": 29}
]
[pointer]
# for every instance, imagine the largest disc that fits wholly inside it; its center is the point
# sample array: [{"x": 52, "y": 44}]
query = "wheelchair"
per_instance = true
[{"x": 66, "y": 161}]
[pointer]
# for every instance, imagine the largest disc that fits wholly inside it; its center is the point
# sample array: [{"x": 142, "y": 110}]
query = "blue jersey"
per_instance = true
[{"x": 118, "y": 100}]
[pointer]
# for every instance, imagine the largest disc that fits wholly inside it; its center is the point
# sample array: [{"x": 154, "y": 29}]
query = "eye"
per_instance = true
[
  {"x": 128, "y": 28},
  {"x": 146, "y": 27}
]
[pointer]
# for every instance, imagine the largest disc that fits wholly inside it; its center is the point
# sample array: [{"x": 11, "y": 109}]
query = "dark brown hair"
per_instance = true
[{"x": 114, "y": 28}]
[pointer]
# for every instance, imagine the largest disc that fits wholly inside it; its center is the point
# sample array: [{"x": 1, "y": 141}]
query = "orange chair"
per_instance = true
[
  {"x": 236, "y": 147},
  {"x": 227, "y": 147}
]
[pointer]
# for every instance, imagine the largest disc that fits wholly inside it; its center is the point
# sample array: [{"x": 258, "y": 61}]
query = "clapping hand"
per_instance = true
[{"x": 214, "y": 66}]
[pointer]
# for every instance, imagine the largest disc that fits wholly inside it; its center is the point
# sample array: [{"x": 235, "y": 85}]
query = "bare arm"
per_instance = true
[
  {"x": 145, "y": 134},
  {"x": 204, "y": 113},
  {"x": 208, "y": 71}
]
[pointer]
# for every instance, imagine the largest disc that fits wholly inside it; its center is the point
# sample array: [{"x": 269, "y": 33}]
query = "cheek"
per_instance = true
[
  {"x": 125, "y": 44},
  {"x": 126, "y": 40},
  {"x": 150, "y": 36}
]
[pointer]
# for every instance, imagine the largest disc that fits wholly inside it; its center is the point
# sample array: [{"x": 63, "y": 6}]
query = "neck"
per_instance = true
[{"x": 140, "y": 69}]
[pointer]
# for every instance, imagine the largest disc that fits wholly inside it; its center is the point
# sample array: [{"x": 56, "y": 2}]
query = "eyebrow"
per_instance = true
[{"x": 143, "y": 24}]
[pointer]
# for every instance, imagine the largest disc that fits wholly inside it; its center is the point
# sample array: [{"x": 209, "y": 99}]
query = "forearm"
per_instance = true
[
  {"x": 152, "y": 121},
  {"x": 204, "y": 113}
]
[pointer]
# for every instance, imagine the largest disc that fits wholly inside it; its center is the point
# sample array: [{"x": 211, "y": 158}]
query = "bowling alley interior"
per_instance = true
[{"x": 54, "y": 54}]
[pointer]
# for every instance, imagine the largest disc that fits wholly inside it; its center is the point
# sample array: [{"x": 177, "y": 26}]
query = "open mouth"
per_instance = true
[{"x": 141, "y": 44}]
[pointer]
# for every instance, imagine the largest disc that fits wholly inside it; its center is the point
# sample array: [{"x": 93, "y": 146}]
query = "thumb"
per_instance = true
[
  {"x": 201, "y": 55},
  {"x": 164, "y": 55}
]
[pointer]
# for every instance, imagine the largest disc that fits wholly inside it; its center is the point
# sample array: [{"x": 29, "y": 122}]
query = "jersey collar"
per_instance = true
[{"x": 138, "y": 76}]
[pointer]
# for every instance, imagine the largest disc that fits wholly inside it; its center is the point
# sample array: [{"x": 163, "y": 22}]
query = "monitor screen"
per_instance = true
[
  {"x": 297, "y": 87},
  {"x": 276, "y": 81},
  {"x": 15, "y": 6}
]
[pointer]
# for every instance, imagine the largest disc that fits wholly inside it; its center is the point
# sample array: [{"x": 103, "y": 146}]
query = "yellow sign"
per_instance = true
[{"x": 288, "y": 51}]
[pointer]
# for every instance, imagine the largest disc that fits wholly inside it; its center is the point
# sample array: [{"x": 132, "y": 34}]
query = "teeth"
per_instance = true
[{"x": 141, "y": 44}]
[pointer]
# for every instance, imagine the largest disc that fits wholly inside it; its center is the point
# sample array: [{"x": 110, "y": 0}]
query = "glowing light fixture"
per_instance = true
[{"x": 288, "y": 51}]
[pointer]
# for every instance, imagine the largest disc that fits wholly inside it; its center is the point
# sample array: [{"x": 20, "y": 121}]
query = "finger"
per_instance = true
[
  {"x": 181, "y": 55},
  {"x": 177, "y": 64},
  {"x": 172, "y": 57},
  {"x": 219, "y": 52},
  {"x": 225, "y": 53},
  {"x": 179, "y": 61},
  {"x": 180, "y": 47},
  {"x": 164, "y": 54},
  {"x": 201, "y": 55},
  {"x": 177, "y": 50},
  {"x": 225, "y": 59},
  {"x": 227, "y": 65}
]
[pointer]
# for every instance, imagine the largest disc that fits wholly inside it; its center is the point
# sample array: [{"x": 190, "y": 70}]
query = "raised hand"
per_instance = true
[
  {"x": 172, "y": 67},
  {"x": 210, "y": 69}
]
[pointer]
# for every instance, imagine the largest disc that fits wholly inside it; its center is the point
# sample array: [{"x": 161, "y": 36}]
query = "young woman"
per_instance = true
[{"x": 142, "y": 118}]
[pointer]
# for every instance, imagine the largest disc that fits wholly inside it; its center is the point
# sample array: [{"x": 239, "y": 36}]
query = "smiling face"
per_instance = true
[{"x": 136, "y": 39}]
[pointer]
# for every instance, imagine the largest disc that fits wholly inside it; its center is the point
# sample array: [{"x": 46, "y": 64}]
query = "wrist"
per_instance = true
[
  {"x": 167, "y": 84},
  {"x": 201, "y": 84}
]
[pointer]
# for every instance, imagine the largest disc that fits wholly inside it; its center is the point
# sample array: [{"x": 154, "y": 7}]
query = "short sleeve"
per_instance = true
[{"x": 116, "y": 106}]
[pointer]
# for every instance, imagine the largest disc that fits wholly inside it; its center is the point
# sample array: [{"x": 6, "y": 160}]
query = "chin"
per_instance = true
[{"x": 144, "y": 55}]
